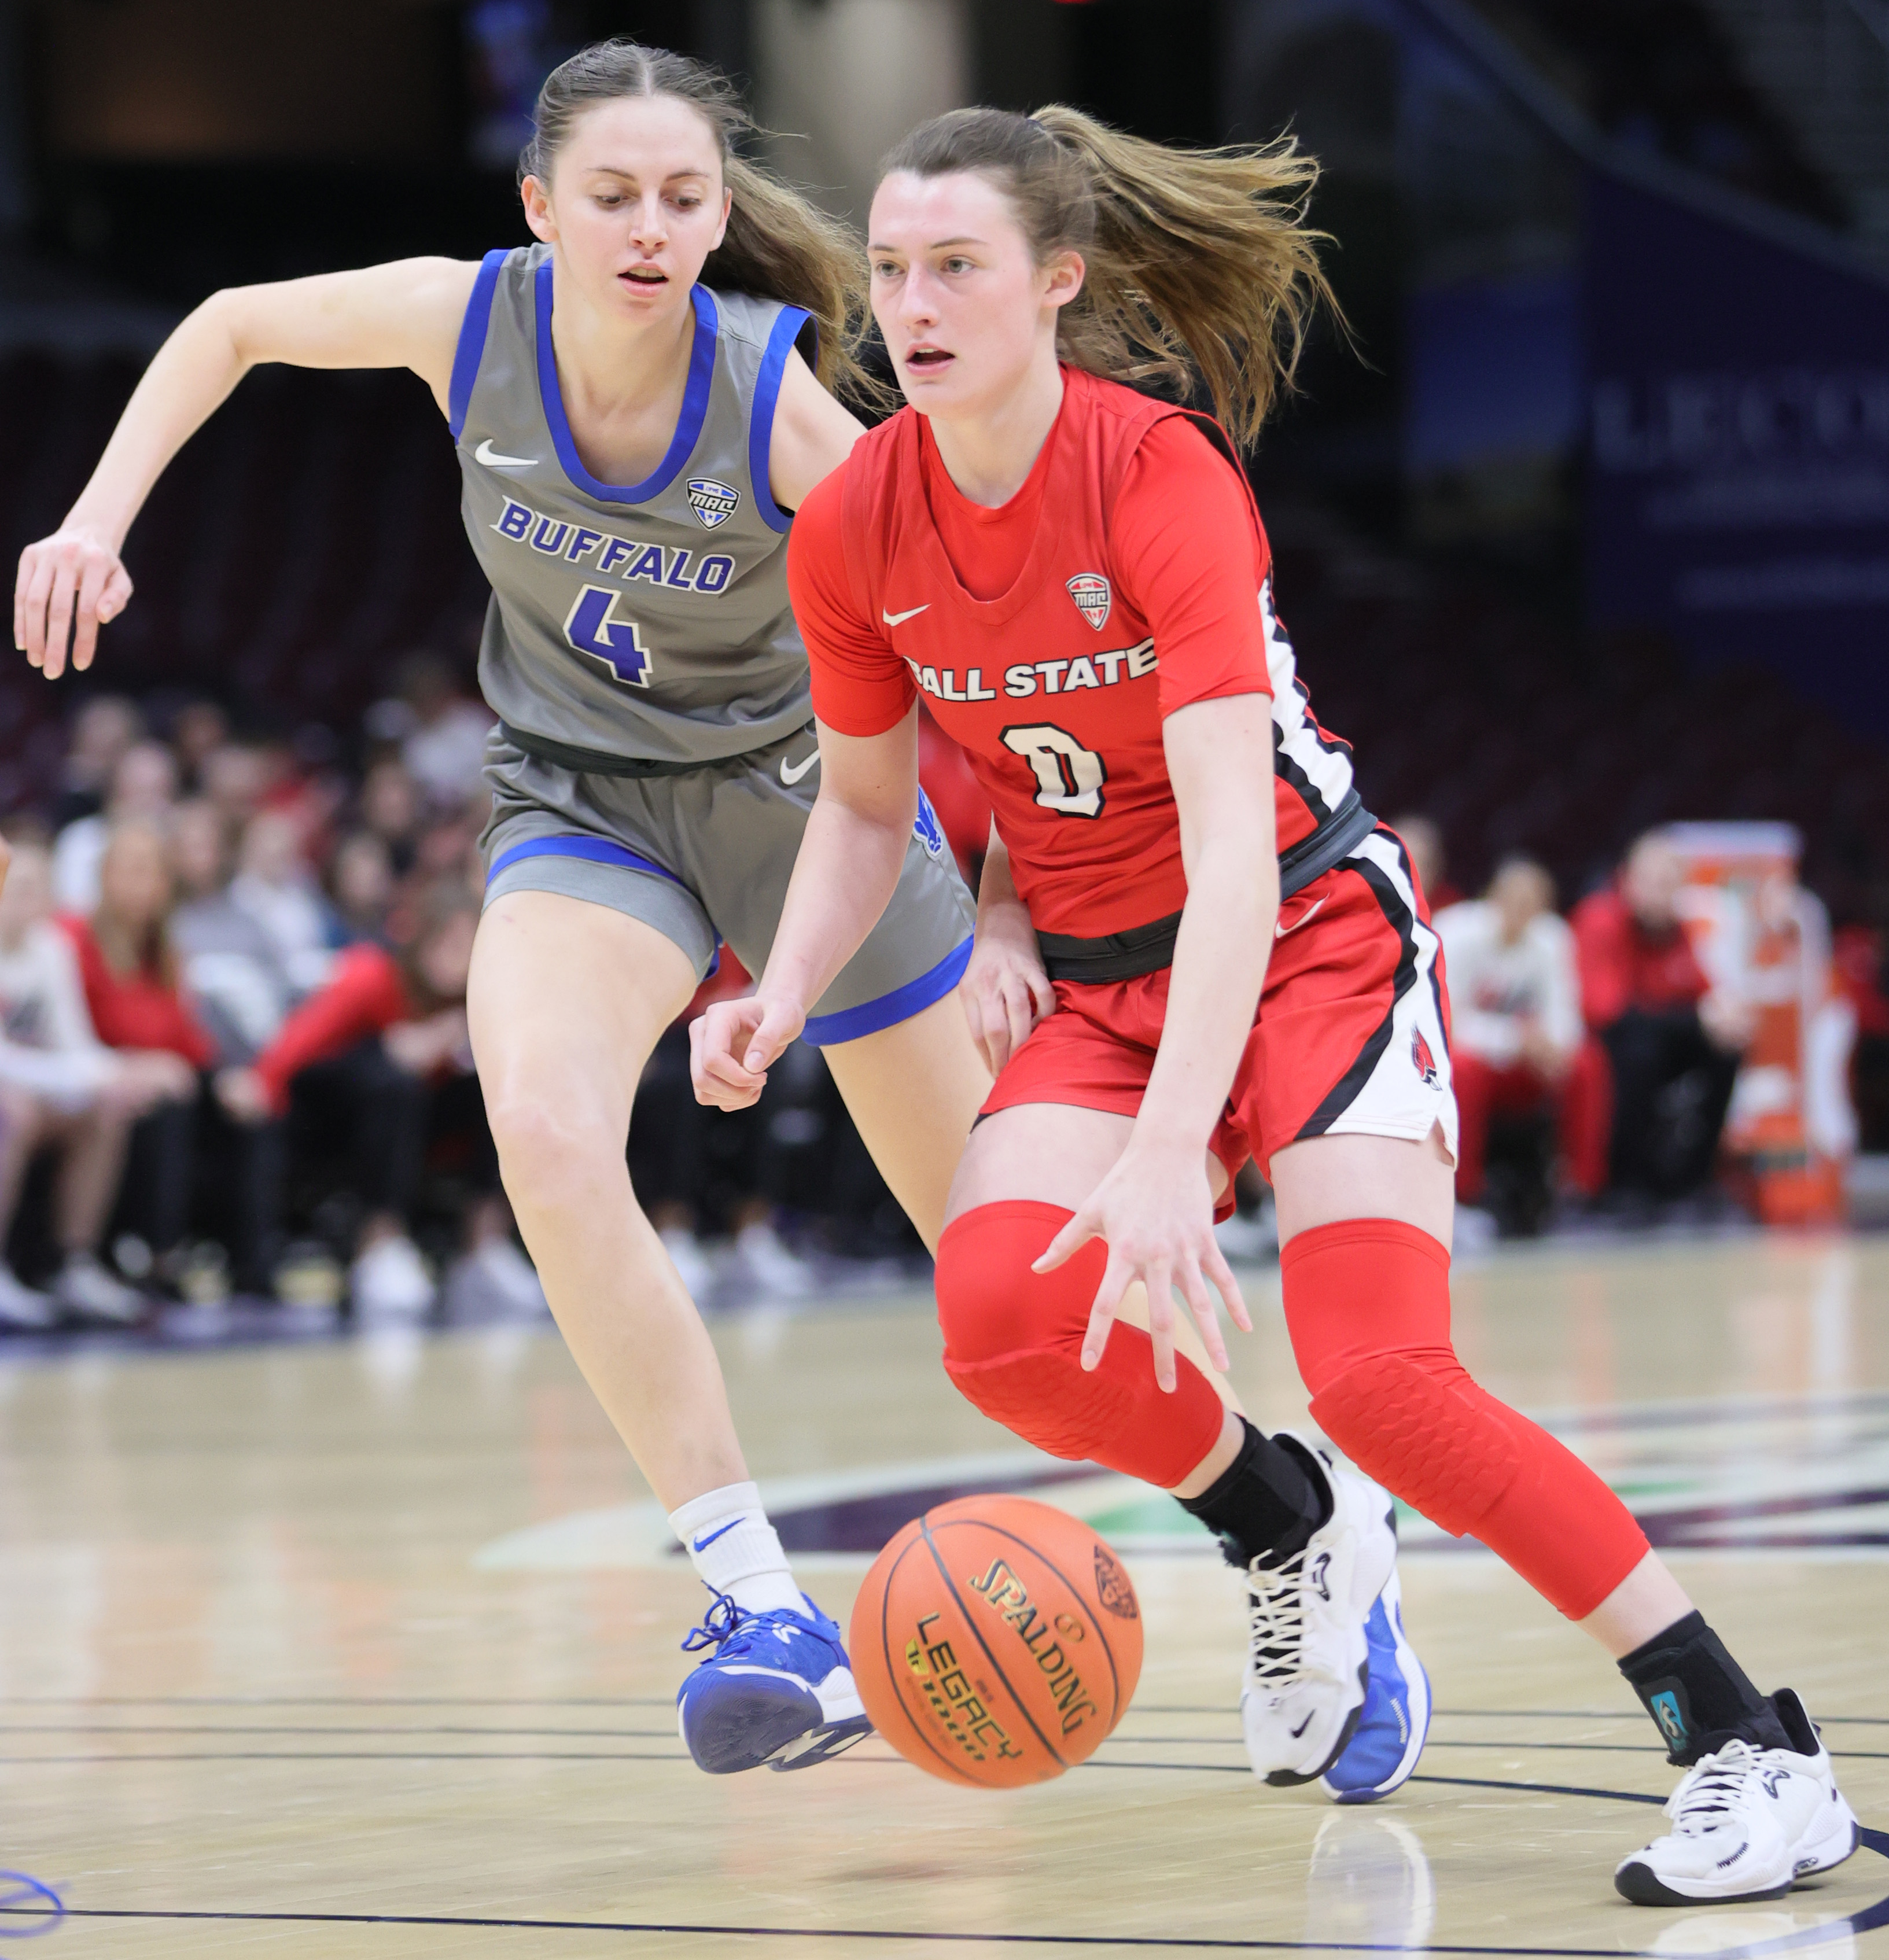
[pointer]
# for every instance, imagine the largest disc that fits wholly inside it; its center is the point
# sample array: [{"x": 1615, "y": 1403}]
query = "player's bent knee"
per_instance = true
[
  {"x": 1013, "y": 1345},
  {"x": 1013, "y": 1338},
  {"x": 1367, "y": 1303},
  {"x": 549, "y": 1153},
  {"x": 1414, "y": 1420}
]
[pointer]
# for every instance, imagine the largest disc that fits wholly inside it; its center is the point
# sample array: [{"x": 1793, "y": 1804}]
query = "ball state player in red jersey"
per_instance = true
[{"x": 1075, "y": 576}]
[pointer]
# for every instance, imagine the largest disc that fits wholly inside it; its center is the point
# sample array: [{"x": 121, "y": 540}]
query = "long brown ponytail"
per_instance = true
[
  {"x": 1199, "y": 262},
  {"x": 778, "y": 246}
]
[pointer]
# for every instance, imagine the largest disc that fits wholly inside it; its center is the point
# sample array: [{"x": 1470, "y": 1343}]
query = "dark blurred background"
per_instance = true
[
  {"x": 1582, "y": 524},
  {"x": 1589, "y": 526}
]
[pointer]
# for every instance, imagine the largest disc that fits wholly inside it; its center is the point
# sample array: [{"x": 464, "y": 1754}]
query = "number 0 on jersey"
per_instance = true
[{"x": 1069, "y": 778}]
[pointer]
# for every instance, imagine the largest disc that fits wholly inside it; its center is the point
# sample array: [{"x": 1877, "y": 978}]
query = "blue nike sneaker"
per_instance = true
[
  {"x": 1389, "y": 1735},
  {"x": 776, "y": 1690}
]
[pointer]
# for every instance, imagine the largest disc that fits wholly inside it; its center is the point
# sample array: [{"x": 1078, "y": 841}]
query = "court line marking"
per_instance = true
[
  {"x": 1116, "y": 1741},
  {"x": 1867, "y": 1920},
  {"x": 648, "y": 1756},
  {"x": 852, "y": 1757},
  {"x": 668, "y": 1701}
]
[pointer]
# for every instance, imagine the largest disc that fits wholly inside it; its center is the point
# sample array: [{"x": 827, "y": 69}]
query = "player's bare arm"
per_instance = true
[
  {"x": 813, "y": 435},
  {"x": 1154, "y": 1209},
  {"x": 1005, "y": 990},
  {"x": 404, "y": 314}
]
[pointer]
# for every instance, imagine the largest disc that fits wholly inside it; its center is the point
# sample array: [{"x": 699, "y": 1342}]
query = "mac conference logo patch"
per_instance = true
[
  {"x": 1090, "y": 591},
  {"x": 711, "y": 500}
]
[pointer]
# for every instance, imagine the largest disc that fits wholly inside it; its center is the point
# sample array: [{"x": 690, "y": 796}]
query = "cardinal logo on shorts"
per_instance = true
[
  {"x": 1090, "y": 591},
  {"x": 1421, "y": 1060},
  {"x": 711, "y": 500}
]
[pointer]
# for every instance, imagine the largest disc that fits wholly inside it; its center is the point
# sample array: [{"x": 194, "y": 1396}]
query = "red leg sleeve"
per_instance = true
[
  {"x": 1013, "y": 1344},
  {"x": 1368, "y": 1305}
]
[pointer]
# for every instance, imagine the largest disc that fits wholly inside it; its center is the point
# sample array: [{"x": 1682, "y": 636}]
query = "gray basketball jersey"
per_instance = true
[{"x": 649, "y": 620}]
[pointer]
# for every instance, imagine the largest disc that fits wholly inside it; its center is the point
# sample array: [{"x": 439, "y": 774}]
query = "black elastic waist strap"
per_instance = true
[
  {"x": 1147, "y": 949},
  {"x": 1331, "y": 844},
  {"x": 1115, "y": 955}
]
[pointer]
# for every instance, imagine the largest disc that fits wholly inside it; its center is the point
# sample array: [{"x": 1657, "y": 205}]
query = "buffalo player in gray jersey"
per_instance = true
[{"x": 636, "y": 425}]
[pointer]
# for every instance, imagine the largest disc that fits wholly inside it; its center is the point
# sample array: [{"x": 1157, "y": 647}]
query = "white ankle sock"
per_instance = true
[{"x": 735, "y": 1550}]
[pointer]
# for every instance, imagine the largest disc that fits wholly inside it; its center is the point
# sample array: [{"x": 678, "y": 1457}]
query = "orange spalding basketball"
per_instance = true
[{"x": 996, "y": 1641}]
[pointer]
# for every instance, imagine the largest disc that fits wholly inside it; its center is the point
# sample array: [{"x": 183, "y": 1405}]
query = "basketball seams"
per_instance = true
[
  {"x": 1075, "y": 1591},
  {"x": 891, "y": 1675},
  {"x": 1022, "y": 1707}
]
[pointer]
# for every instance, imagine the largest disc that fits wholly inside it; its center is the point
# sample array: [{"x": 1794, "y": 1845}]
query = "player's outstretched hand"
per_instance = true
[
  {"x": 1155, "y": 1214},
  {"x": 735, "y": 1043},
  {"x": 1004, "y": 991},
  {"x": 68, "y": 586}
]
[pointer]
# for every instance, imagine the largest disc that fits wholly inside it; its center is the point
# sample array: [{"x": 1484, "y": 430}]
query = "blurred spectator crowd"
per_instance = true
[
  {"x": 234, "y": 1058},
  {"x": 1594, "y": 1060},
  {"x": 234, "y": 1051}
]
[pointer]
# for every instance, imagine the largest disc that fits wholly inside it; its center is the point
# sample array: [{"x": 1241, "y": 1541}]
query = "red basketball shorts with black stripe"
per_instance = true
[{"x": 1351, "y": 1036}]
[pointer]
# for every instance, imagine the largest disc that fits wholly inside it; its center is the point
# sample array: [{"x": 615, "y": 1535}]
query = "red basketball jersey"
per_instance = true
[{"x": 1055, "y": 688}]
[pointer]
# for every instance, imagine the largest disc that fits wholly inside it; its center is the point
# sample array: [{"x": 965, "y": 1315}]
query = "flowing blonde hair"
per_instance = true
[
  {"x": 778, "y": 245},
  {"x": 1200, "y": 264}
]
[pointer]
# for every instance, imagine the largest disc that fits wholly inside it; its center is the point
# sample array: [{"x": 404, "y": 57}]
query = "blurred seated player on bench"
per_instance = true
[
  {"x": 62, "y": 1089},
  {"x": 1673, "y": 1039},
  {"x": 377, "y": 1062},
  {"x": 1516, "y": 1038}
]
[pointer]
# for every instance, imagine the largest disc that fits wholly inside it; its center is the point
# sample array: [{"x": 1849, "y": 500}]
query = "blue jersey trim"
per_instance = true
[
  {"x": 593, "y": 850},
  {"x": 695, "y": 402},
  {"x": 761, "y": 428},
  {"x": 471, "y": 349},
  {"x": 826, "y": 1030}
]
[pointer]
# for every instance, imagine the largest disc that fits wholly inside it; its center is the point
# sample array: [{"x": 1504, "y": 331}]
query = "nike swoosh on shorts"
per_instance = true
[
  {"x": 490, "y": 457},
  {"x": 900, "y": 618},
  {"x": 791, "y": 773},
  {"x": 1280, "y": 929}
]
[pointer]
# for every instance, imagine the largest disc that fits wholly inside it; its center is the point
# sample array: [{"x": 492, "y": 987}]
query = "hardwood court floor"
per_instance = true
[{"x": 368, "y": 1648}]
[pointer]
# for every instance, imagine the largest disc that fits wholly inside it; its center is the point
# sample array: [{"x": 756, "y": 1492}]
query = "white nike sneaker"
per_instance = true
[
  {"x": 1747, "y": 1823},
  {"x": 1308, "y": 1655},
  {"x": 23, "y": 1306},
  {"x": 85, "y": 1291}
]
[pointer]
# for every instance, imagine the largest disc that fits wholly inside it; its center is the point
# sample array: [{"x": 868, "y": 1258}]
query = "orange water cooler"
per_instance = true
[{"x": 1760, "y": 935}]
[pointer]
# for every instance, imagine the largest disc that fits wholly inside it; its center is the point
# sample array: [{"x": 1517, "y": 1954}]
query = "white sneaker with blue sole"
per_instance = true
[
  {"x": 1308, "y": 1668},
  {"x": 1389, "y": 1738},
  {"x": 776, "y": 1690}
]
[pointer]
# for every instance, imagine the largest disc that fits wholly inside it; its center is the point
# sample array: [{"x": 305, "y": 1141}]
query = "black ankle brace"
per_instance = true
[
  {"x": 1698, "y": 1697},
  {"x": 1266, "y": 1504}
]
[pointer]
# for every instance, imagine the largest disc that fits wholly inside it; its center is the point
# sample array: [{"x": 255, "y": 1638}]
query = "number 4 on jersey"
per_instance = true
[
  {"x": 592, "y": 628},
  {"x": 1069, "y": 778}
]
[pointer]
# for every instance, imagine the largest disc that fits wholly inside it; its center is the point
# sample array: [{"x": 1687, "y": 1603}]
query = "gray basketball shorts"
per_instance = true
[{"x": 705, "y": 858}]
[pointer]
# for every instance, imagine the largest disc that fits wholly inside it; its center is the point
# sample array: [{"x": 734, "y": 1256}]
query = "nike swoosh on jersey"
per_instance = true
[
  {"x": 900, "y": 618},
  {"x": 791, "y": 773},
  {"x": 703, "y": 1544},
  {"x": 1280, "y": 928},
  {"x": 490, "y": 457}
]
